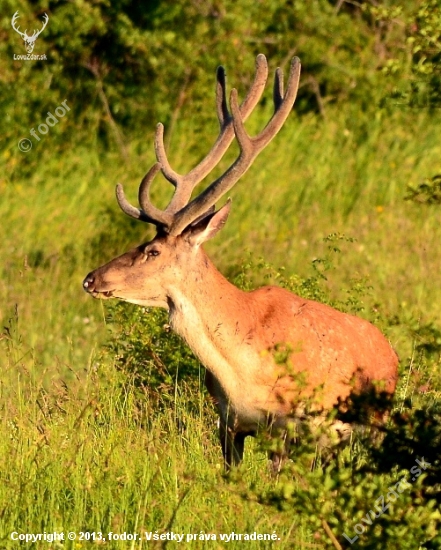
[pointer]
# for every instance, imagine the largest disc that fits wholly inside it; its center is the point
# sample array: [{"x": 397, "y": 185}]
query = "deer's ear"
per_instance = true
[{"x": 208, "y": 226}]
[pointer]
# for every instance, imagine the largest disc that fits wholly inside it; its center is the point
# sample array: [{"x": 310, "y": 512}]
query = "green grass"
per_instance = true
[
  {"x": 90, "y": 456},
  {"x": 80, "y": 448}
]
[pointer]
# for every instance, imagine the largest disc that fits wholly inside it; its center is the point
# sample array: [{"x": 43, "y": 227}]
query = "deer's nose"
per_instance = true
[{"x": 88, "y": 283}]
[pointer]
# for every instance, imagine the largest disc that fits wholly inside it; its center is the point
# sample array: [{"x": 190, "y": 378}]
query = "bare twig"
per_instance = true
[
  {"x": 314, "y": 85},
  {"x": 93, "y": 67},
  {"x": 331, "y": 535},
  {"x": 179, "y": 104},
  {"x": 338, "y": 6}
]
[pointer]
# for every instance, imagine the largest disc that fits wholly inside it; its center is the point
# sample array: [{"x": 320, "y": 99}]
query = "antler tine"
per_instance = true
[
  {"x": 278, "y": 88},
  {"x": 281, "y": 111},
  {"x": 125, "y": 206},
  {"x": 161, "y": 156},
  {"x": 148, "y": 213},
  {"x": 221, "y": 97},
  {"x": 162, "y": 217},
  {"x": 249, "y": 147}
]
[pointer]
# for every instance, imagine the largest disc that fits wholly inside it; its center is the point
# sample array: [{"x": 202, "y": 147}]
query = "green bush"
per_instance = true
[
  {"x": 123, "y": 66},
  {"x": 383, "y": 495},
  {"x": 144, "y": 347}
]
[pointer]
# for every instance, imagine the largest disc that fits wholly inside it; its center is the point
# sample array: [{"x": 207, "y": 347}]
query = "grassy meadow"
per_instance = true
[{"x": 83, "y": 446}]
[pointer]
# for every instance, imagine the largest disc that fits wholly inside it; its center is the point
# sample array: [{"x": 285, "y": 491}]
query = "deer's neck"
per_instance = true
[{"x": 214, "y": 318}]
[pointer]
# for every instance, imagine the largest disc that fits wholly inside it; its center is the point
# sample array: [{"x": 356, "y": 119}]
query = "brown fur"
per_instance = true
[{"x": 236, "y": 335}]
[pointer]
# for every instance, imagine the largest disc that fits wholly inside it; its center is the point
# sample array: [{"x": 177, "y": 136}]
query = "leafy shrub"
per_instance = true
[
  {"x": 312, "y": 287},
  {"x": 414, "y": 60},
  {"x": 145, "y": 348},
  {"x": 372, "y": 495},
  {"x": 122, "y": 65}
]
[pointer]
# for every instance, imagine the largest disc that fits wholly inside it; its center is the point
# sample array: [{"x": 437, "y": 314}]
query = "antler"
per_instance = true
[
  {"x": 24, "y": 34},
  {"x": 180, "y": 212},
  {"x": 13, "y": 21},
  {"x": 45, "y": 20}
]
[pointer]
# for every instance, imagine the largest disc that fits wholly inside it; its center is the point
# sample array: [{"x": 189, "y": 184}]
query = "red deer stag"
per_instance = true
[{"x": 234, "y": 333}]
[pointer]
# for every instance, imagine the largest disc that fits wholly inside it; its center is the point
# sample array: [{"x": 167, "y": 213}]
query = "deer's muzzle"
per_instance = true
[{"x": 90, "y": 287}]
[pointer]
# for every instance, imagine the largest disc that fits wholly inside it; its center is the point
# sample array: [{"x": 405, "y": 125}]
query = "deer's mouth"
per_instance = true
[{"x": 105, "y": 295}]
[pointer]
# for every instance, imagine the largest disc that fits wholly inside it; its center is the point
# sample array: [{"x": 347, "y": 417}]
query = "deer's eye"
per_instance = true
[{"x": 151, "y": 253}]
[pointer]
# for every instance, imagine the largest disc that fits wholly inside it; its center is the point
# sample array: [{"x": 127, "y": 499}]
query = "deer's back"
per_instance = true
[{"x": 335, "y": 351}]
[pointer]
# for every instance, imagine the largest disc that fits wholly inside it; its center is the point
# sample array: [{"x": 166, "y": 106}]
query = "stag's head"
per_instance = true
[
  {"x": 144, "y": 274},
  {"x": 28, "y": 40}
]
